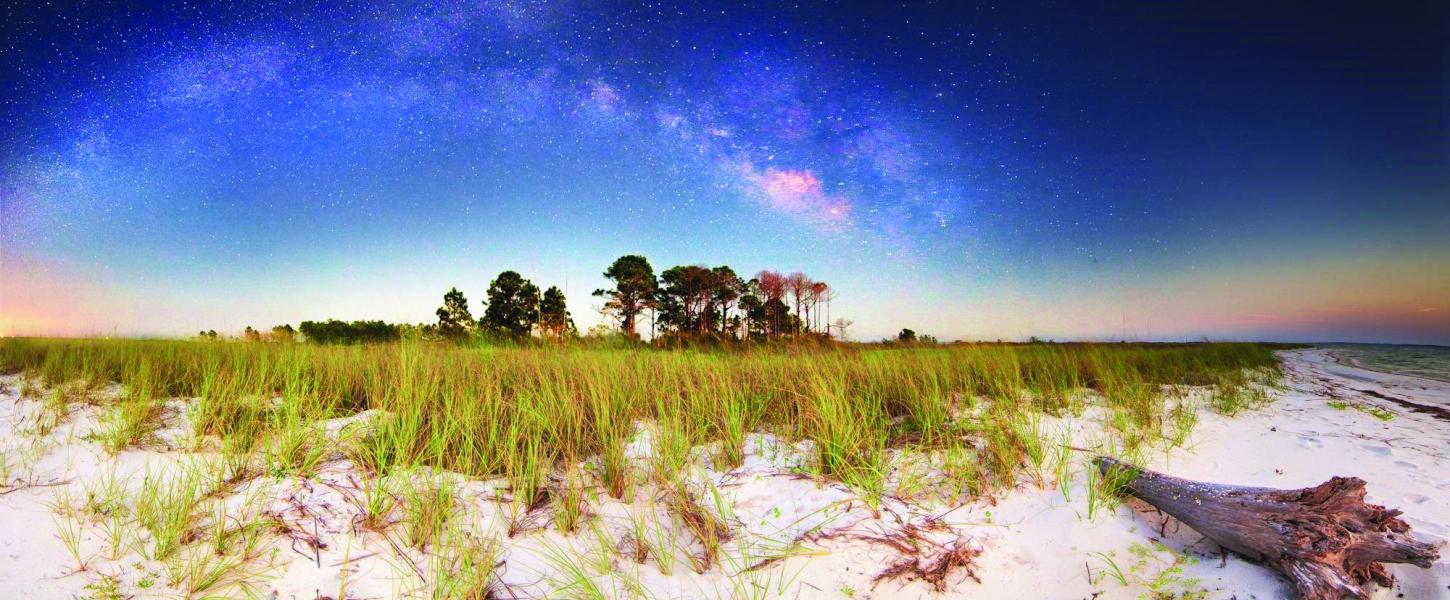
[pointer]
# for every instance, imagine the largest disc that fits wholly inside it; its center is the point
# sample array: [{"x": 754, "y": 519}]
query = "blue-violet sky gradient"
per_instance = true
[{"x": 1265, "y": 170}]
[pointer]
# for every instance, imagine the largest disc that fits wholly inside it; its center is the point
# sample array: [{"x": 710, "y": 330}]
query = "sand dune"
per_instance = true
[{"x": 791, "y": 535}]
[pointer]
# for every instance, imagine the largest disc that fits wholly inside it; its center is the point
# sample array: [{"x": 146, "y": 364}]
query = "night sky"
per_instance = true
[{"x": 1155, "y": 171}]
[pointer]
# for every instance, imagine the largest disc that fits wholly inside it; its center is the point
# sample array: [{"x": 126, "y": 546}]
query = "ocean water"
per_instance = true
[{"x": 1432, "y": 362}]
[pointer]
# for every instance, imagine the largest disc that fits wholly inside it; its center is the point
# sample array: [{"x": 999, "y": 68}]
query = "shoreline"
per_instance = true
[{"x": 1339, "y": 356}]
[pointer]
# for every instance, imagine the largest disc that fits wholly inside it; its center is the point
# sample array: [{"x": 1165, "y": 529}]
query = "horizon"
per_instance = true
[
  {"x": 239, "y": 336},
  {"x": 971, "y": 173}
]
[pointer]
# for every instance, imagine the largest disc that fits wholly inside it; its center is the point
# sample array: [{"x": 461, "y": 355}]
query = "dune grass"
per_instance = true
[
  {"x": 561, "y": 427},
  {"x": 520, "y": 412}
]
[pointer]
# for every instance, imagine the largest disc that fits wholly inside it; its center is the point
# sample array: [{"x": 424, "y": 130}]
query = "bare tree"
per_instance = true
[
  {"x": 818, "y": 291},
  {"x": 772, "y": 287},
  {"x": 799, "y": 286}
]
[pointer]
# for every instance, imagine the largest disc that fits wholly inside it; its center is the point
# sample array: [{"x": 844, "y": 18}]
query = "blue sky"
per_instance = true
[{"x": 973, "y": 172}]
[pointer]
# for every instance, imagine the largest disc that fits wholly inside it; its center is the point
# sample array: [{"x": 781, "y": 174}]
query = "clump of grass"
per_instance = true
[
  {"x": 294, "y": 446},
  {"x": 850, "y": 437},
  {"x": 465, "y": 566},
  {"x": 69, "y": 530},
  {"x": 129, "y": 423},
  {"x": 8, "y": 464},
  {"x": 707, "y": 527},
  {"x": 105, "y": 504},
  {"x": 737, "y": 414},
  {"x": 568, "y": 499},
  {"x": 673, "y": 443},
  {"x": 377, "y": 503},
  {"x": 429, "y": 507},
  {"x": 1062, "y": 463},
  {"x": 1105, "y": 489},
  {"x": 105, "y": 495},
  {"x": 166, "y": 506},
  {"x": 200, "y": 573},
  {"x": 573, "y": 577},
  {"x": 1232, "y": 395},
  {"x": 1183, "y": 417},
  {"x": 54, "y": 409}
]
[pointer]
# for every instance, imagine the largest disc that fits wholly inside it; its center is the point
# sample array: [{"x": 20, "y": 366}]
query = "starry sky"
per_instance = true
[{"x": 1261, "y": 170}]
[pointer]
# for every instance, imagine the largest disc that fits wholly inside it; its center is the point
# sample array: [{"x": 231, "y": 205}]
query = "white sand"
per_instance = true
[{"x": 1034, "y": 543}]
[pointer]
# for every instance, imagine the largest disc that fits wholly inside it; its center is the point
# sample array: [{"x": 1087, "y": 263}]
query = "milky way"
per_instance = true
[
  {"x": 767, "y": 113},
  {"x": 991, "y": 167}
]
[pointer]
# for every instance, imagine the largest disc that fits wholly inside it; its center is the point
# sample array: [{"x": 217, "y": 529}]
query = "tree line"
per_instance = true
[
  {"x": 514, "y": 310},
  {"x": 695, "y": 301},
  {"x": 684, "y": 302}
]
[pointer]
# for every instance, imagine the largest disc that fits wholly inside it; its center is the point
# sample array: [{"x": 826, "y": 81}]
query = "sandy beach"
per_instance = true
[
  {"x": 703, "y": 300},
  {"x": 790, "y": 535}
]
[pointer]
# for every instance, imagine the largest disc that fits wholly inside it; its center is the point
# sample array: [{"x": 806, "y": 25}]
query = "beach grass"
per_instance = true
[
  {"x": 521, "y": 412},
  {"x": 560, "y": 427}
]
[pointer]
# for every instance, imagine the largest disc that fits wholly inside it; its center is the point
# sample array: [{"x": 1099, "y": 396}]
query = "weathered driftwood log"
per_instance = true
[{"x": 1324, "y": 539}]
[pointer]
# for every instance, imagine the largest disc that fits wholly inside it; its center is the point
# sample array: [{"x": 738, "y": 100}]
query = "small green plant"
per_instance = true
[
  {"x": 104, "y": 495},
  {"x": 200, "y": 573},
  {"x": 7, "y": 468},
  {"x": 1157, "y": 568},
  {"x": 54, "y": 410},
  {"x": 1062, "y": 464},
  {"x": 108, "y": 587},
  {"x": 1110, "y": 567},
  {"x": 1375, "y": 411},
  {"x": 69, "y": 529},
  {"x": 1184, "y": 417}
]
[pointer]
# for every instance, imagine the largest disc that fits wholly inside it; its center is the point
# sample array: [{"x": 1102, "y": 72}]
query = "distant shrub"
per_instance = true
[{"x": 333, "y": 331}]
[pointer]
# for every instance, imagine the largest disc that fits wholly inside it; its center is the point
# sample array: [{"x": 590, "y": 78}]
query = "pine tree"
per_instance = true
[
  {"x": 513, "y": 305},
  {"x": 454, "y": 320},
  {"x": 633, "y": 292},
  {"x": 554, "y": 314}
]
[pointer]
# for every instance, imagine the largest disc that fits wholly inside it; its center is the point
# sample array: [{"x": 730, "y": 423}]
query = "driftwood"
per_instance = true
[{"x": 1324, "y": 539}]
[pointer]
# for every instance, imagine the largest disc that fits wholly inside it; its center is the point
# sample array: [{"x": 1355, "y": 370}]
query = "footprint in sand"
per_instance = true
[
  {"x": 1407, "y": 465},
  {"x": 1311, "y": 443},
  {"x": 1416, "y": 498},
  {"x": 1379, "y": 450}
]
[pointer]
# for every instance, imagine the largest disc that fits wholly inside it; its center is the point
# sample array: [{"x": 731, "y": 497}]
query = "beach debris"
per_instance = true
[
  {"x": 1324, "y": 539},
  {"x": 924, "y": 555},
  {"x": 935, "y": 568}
]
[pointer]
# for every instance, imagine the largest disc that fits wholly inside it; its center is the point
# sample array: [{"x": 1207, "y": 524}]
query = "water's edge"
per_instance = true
[{"x": 1433, "y": 368}]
